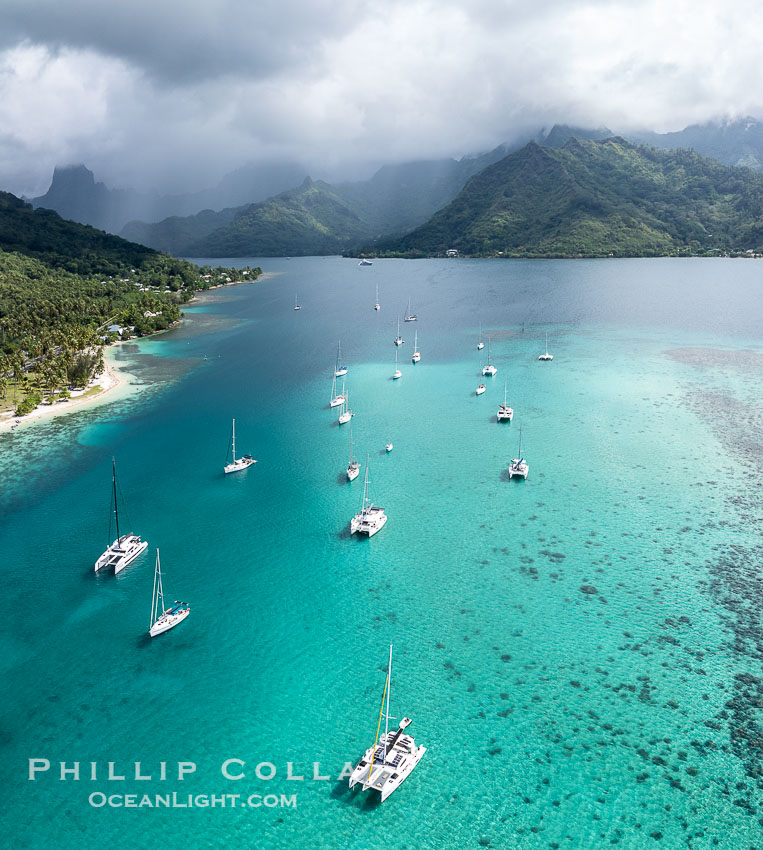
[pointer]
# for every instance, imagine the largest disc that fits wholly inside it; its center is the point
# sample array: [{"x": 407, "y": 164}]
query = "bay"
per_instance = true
[{"x": 580, "y": 652}]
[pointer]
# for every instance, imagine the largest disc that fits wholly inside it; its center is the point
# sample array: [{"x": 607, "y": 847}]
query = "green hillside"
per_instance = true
[
  {"x": 310, "y": 219},
  {"x": 593, "y": 199},
  {"x": 63, "y": 284}
]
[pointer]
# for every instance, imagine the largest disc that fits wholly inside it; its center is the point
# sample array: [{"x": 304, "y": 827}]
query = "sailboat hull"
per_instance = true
[
  {"x": 168, "y": 620},
  {"x": 239, "y": 464},
  {"x": 121, "y": 552}
]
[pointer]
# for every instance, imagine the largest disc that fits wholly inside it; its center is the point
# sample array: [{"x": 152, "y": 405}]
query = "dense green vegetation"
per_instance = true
[
  {"x": 317, "y": 218},
  {"x": 304, "y": 221},
  {"x": 594, "y": 199},
  {"x": 67, "y": 289}
]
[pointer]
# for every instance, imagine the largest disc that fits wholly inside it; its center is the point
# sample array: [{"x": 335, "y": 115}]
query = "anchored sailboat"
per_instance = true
[
  {"x": 398, "y": 339},
  {"x": 126, "y": 547},
  {"x": 397, "y": 374},
  {"x": 416, "y": 353},
  {"x": 505, "y": 413},
  {"x": 410, "y": 317},
  {"x": 340, "y": 368},
  {"x": 336, "y": 398},
  {"x": 489, "y": 369},
  {"x": 377, "y": 306},
  {"x": 240, "y": 463},
  {"x": 389, "y": 762},
  {"x": 296, "y": 304},
  {"x": 353, "y": 467},
  {"x": 519, "y": 465},
  {"x": 480, "y": 344},
  {"x": 163, "y": 619},
  {"x": 345, "y": 414},
  {"x": 546, "y": 356},
  {"x": 370, "y": 518}
]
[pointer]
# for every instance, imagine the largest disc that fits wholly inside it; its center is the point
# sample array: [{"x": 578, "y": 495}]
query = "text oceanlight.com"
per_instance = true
[{"x": 192, "y": 801}]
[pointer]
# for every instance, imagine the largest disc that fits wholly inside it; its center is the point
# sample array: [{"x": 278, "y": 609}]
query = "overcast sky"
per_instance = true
[{"x": 172, "y": 94}]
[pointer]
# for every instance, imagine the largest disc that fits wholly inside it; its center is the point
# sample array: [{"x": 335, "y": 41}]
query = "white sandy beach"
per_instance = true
[{"x": 114, "y": 383}]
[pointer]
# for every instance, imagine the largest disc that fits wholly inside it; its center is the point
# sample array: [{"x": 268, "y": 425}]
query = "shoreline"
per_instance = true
[
  {"x": 202, "y": 292},
  {"x": 112, "y": 379}
]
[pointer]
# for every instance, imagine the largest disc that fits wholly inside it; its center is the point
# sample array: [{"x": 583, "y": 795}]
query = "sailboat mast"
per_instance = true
[
  {"x": 386, "y": 713},
  {"x": 234, "y": 441},
  {"x": 154, "y": 597},
  {"x": 114, "y": 482}
]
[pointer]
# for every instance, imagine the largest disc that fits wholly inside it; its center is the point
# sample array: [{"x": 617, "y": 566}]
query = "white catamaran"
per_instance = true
[
  {"x": 237, "y": 463},
  {"x": 398, "y": 339},
  {"x": 389, "y": 762},
  {"x": 519, "y": 465},
  {"x": 546, "y": 356},
  {"x": 163, "y": 619},
  {"x": 505, "y": 413},
  {"x": 126, "y": 547},
  {"x": 371, "y": 518},
  {"x": 416, "y": 353}
]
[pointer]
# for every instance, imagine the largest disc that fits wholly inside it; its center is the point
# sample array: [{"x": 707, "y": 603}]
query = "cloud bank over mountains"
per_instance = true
[{"x": 172, "y": 95}]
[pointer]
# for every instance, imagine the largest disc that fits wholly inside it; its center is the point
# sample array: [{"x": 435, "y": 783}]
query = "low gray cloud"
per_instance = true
[{"x": 174, "y": 94}]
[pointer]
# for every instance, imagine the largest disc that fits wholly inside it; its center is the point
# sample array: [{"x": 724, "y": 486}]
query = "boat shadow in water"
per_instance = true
[
  {"x": 344, "y": 534},
  {"x": 505, "y": 475},
  {"x": 342, "y": 479},
  {"x": 355, "y": 797}
]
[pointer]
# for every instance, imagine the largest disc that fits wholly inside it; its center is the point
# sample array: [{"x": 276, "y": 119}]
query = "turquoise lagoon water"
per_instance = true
[{"x": 581, "y": 652}]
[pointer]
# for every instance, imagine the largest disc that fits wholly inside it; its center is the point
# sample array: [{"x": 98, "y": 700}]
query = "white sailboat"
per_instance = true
[
  {"x": 398, "y": 339},
  {"x": 296, "y": 304},
  {"x": 336, "y": 398},
  {"x": 397, "y": 373},
  {"x": 546, "y": 356},
  {"x": 505, "y": 413},
  {"x": 480, "y": 344},
  {"x": 340, "y": 368},
  {"x": 126, "y": 547},
  {"x": 377, "y": 306},
  {"x": 480, "y": 389},
  {"x": 389, "y": 446},
  {"x": 345, "y": 414},
  {"x": 370, "y": 518},
  {"x": 365, "y": 262},
  {"x": 163, "y": 619},
  {"x": 519, "y": 465},
  {"x": 410, "y": 317},
  {"x": 353, "y": 467},
  {"x": 240, "y": 463},
  {"x": 489, "y": 369},
  {"x": 389, "y": 762},
  {"x": 416, "y": 353}
]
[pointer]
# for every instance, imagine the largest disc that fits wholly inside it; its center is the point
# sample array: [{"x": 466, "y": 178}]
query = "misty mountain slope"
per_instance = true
[
  {"x": 308, "y": 220},
  {"x": 173, "y": 234},
  {"x": 738, "y": 142},
  {"x": 400, "y": 197},
  {"x": 596, "y": 198},
  {"x": 396, "y": 199},
  {"x": 74, "y": 194}
]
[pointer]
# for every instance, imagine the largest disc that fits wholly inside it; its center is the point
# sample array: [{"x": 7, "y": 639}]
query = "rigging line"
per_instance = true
[
  {"x": 381, "y": 711},
  {"x": 124, "y": 506}
]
